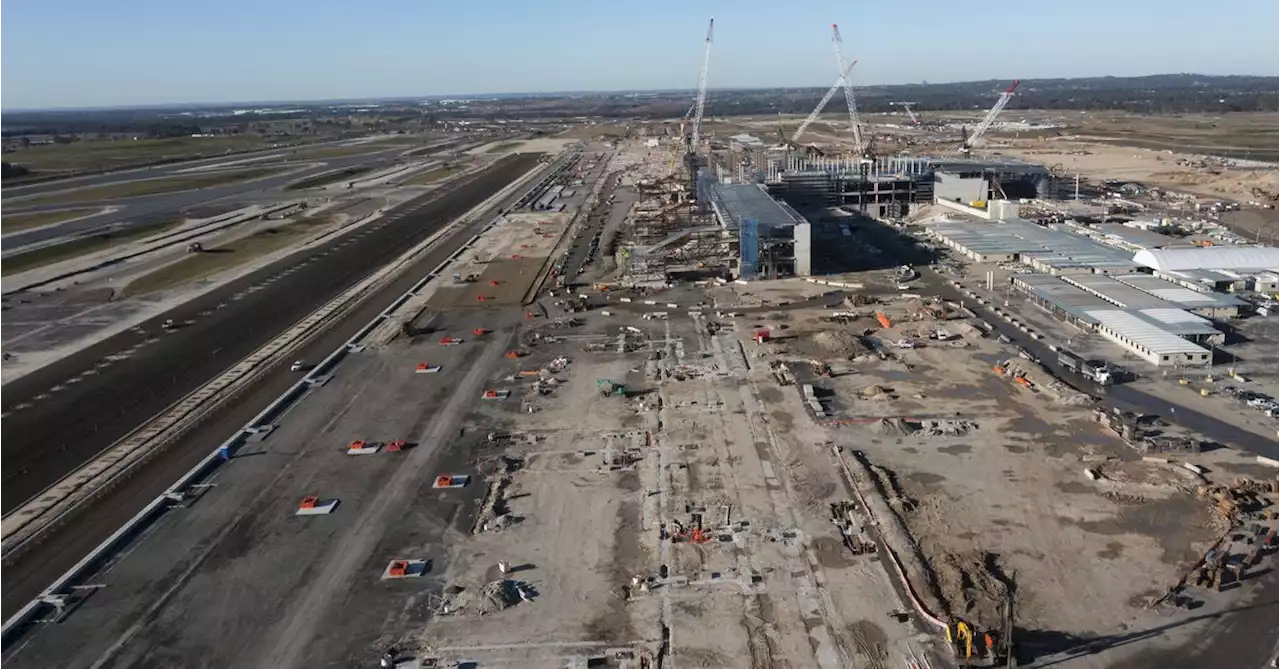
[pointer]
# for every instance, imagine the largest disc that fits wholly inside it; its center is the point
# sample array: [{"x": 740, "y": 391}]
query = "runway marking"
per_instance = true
[
  {"x": 74, "y": 379},
  {"x": 41, "y": 396},
  {"x": 22, "y": 405},
  {"x": 57, "y": 389}
]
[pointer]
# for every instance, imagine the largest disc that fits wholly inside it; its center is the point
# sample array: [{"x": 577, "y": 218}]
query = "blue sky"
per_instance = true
[{"x": 56, "y": 53}]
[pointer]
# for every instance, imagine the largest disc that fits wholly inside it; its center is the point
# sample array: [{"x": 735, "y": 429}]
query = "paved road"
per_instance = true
[
  {"x": 153, "y": 207},
  {"x": 31, "y": 572},
  {"x": 96, "y": 401}
]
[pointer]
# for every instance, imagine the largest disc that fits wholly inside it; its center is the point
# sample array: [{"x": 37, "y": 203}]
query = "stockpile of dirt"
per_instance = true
[
  {"x": 841, "y": 343},
  {"x": 876, "y": 393},
  {"x": 492, "y": 597},
  {"x": 895, "y": 427}
]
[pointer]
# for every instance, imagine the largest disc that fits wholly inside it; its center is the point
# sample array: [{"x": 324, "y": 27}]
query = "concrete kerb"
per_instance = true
[{"x": 212, "y": 461}]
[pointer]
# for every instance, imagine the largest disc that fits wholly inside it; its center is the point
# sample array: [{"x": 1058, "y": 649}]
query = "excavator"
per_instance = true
[{"x": 609, "y": 387}]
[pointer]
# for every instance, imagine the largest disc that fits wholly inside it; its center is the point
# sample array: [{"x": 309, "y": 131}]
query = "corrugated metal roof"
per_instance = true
[
  {"x": 1117, "y": 293},
  {"x": 1214, "y": 257},
  {"x": 1179, "y": 322},
  {"x": 1050, "y": 246},
  {"x": 1175, "y": 294},
  {"x": 1136, "y": 236},
  {"x": 749, "y": 201},
  {"x": 1144, "y": 333}
]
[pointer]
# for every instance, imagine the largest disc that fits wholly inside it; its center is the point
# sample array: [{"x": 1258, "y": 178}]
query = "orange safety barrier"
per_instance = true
[
  {"x": 528, "y": 372},
  {"x": 357, "y": 444},
  {"x": 399, "y": 568},
  {"x": 479, "y": 331},
  {"x": 494, "y": 283},
  {"x": 883, "y": 320},
  {"x": 444, "y": 481},
  {"x": 514, "y": 354},
  {"x": 397, "y": 445},
  {"x": 998, "y": 370},
  {"x": 490, "y": 394},
  {"x": 309, "y": 502}
]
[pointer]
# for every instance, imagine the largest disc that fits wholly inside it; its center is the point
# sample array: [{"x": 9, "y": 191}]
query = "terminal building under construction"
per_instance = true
[{"x": 764, "y": 216}]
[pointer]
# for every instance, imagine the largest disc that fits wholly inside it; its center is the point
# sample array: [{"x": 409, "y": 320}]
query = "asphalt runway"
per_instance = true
[
  {"x": 98, "y": 400},
  {"x": 30, "y": 573},
  {"x": 167, "y": 205}
]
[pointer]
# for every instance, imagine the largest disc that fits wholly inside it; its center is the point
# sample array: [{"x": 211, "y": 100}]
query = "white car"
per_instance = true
[{"x": 297, "y": 366}]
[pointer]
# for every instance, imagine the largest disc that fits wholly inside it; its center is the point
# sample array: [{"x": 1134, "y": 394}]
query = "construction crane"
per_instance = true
[
  {"x": 906, "y": 106},
  {"x": 691, "y": 150},
  {"x": 967, "y": 142},
  {"x": 855, "y": 126},
  {"x": 813, "y": 116}
]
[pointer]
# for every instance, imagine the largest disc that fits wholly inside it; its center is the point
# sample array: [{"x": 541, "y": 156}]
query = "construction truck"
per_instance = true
[{"x": 1098, "y": 372}]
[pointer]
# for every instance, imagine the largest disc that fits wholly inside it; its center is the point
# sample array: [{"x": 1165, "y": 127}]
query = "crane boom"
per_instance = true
[
  {"x": 831, "y": 93},
  {"x": 990, "y": 118},
  {"x": 855, "y": 126},
  {"x": 911, "y": 114},
  {"x": 701, "y": 102}
]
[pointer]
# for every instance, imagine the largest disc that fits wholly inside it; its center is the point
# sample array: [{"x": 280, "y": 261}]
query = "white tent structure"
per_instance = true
[{"x": 1213, "y": 257}]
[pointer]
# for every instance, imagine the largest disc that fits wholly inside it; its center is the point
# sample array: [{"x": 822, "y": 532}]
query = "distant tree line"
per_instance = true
[{"x": 1157, "y": 94}]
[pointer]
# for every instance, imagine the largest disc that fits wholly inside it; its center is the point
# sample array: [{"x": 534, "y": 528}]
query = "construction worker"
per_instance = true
[{"x": 989, "y": 640}]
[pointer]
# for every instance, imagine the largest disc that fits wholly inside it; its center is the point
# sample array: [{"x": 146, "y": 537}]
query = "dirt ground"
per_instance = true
[
  {"x": 506, "y": 262},
  {"x": 1004, "y": 499},
  {"x": 1097, "y": 161}
]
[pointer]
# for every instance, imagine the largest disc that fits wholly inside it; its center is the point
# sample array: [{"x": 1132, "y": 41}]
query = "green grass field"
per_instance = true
[
  {"x": 144, "y": 187},
  {"x": 328, "y": 178},
  {"x": 433, "y": 175},
  {"x": 503, "y": 147},
  {"x": 337, "y": 151},
  {"x": 35, "y": 219},
  {"x": 113, "y": 154},
  {"x": 224, "y": 257},
  {"x": 47, "y": 255}
]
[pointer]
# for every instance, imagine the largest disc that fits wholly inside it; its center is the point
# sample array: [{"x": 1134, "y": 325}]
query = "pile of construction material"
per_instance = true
[
  {"x": 1168, "y": 444},
  {"x": 811, "y": 401},
  {"x": 492, "y": 597},
  {"x": 947, "y": 427}
]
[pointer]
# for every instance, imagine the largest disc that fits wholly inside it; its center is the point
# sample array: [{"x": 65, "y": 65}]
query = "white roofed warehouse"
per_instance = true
[{"x": 1212, "y": 257}]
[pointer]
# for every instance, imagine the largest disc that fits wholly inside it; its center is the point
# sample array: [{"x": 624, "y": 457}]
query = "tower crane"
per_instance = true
[
  {"x": 911, "y": 114},
  {"x": 855, "y": 126},
  {"x": 813, "y": 116},
  {"x": 691, "y": 150},
  {"x": 967, "y": 144}
]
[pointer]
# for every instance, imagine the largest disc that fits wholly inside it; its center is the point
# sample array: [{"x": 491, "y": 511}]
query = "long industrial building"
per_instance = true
[{"x": 1135, "y": 300}]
